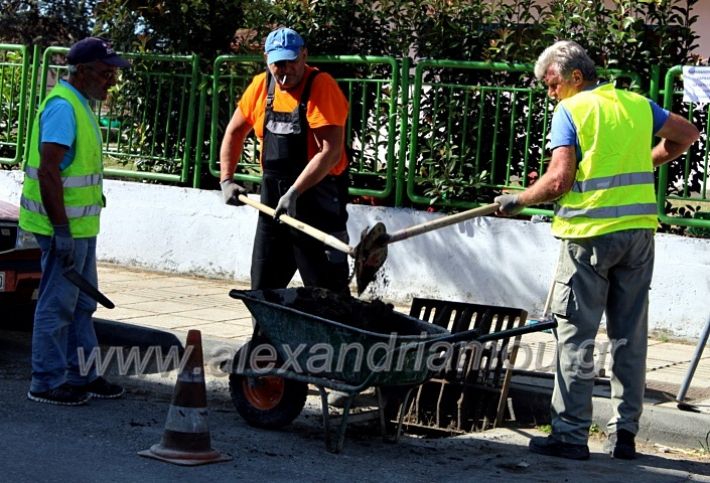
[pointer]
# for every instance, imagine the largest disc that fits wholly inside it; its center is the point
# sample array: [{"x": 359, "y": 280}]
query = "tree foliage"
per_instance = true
[
  {"x": 56, "y": 22},
  {"x": 628, "y": 34}
]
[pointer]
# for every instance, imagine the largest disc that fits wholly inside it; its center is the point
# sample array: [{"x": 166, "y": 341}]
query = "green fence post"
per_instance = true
[
  {"x": 196, "y": 180},
  {"x": 400, "y": 181},
  {"x": 13, "y": 90},
  {"x": 699, "y": 223}
]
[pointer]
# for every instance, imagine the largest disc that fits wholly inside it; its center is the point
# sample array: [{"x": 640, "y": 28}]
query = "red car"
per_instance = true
[{"x": 20, "y": 268}]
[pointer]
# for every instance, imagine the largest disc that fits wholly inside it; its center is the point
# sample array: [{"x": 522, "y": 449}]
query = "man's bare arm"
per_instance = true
[{"x": 677, "y": 135}]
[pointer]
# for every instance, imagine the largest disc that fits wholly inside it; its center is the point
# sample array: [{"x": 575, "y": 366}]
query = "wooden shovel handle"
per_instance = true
[
  {"x": 322, "y": 236},
  {"x": 441, "y": 222}
]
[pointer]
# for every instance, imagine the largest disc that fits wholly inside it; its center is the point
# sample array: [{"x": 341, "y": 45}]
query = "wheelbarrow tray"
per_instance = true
[
  {"x": 369, "y": 344},
  {"x": 349, "y": 345}
]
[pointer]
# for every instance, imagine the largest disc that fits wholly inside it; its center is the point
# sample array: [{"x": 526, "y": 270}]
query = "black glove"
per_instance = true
[
  {"x": 509, "y": 205},
  {"x": 287, "y": 204},
  {"x": 63, "y": 245},
  {"x": 231, "y": 192}
]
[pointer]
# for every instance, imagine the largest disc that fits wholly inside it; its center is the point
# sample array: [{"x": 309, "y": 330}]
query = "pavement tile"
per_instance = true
[
  {"x": 127, "y": 298},
  {"x": 212, "y": 314},
  {"x": 165, "y": 306},
  {"x": 226, "y": 330},
  {"x": 168, "y": 321},
  {"x": 200, "y": 291},
  {"x": 153, "y": 283},
  {"x": 120, "y": 313}
]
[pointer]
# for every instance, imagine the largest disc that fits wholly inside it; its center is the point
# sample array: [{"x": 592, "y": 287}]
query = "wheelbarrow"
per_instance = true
[{"x": 313, "y": 336}]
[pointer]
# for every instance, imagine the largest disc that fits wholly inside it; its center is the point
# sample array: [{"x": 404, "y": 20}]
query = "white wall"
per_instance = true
[{"x": 484, "y": 260}]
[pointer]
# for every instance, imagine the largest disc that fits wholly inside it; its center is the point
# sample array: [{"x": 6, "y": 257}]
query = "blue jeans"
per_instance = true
[{"x": 63, "y": 321}]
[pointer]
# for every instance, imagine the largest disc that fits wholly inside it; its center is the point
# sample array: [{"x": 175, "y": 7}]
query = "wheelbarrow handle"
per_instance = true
[
  {"x": 475, "y": 334},
  {"x": 309, "y": 230}
]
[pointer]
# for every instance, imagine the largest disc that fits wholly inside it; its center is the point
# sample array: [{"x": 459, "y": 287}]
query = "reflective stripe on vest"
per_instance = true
[
  {"x": 609, "y": 211},
  {"x": 626, "y": 179},
  {"x": 614, "y": 183},
  {"x": 81, "y": 180},
  {"x": 71, "y": 211},
  {"x": 69, "y": 181}
]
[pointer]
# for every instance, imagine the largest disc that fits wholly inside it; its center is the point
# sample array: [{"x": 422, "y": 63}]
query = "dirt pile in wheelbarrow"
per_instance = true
[{"x": 373, "y": 316}]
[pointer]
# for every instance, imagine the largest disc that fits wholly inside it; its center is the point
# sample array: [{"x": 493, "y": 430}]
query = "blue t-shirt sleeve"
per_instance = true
[
  {"x": 660, "y": 116},
  {"x": 58, "y": 125},
  {"x": 562, "y": 130},
  {"x": 564, "y": 133}
]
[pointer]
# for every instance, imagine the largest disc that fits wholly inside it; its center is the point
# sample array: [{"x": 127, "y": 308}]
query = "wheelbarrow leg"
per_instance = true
[
  {"x": 343, "y": 424},
  {"x": 381, "y": 412},
  {"x": 326, "y": 415},
  {"x": 401, "y": 411},
  {"x": 337, "y": 446}
]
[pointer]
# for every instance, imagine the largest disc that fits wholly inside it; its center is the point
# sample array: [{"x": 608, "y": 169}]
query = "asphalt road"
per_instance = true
[{"x": 99, "y": 442}]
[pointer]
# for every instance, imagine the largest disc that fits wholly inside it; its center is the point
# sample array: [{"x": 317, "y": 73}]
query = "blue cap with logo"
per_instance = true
[
  {"x": 282, "y": 44},
  {"x": 92, "y": 49}
]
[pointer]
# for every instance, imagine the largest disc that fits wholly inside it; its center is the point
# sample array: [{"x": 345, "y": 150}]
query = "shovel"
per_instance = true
[
  {"x": 329, "y": 240},
  {"x": 370, "y": 254}
]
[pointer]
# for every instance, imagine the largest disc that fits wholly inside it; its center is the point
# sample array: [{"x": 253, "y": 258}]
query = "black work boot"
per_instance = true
[
  {"x": 621, "y": 445},
  {"x": 553, "y": 447}
]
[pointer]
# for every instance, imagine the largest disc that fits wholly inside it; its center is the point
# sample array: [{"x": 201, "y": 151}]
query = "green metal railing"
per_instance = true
[
  {"x": 467, "y": 138},
  {"x": 371, "y": 85},
  {"x": 231, "y": 75},
  {"x": 479, "y": 128},
  {"x": 691, "y": 185},
  {"x": 148, "y": 122},
  {"x": 14, "y": 70},
  {"x": 476, "y": 128}
]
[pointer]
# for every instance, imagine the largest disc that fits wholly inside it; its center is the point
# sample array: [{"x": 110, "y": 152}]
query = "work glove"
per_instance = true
[
  {"x": 63, "y": 245},
  {"x": 231, "y": 192},
  {"x": 509, "y": 205},
  {"x": 287, "y": 204}
]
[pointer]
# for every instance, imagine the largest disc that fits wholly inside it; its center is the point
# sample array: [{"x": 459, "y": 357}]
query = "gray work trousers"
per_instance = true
[{"x": 609, "y": 273}]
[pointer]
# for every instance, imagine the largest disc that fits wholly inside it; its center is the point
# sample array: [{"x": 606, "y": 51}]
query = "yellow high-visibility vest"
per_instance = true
[
  {"x": 614, "y": 186},
  {"x": 82, "y": 179}
]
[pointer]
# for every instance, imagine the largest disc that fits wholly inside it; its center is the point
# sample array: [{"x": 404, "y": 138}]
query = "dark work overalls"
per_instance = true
[{"x": 279, "y": 249}]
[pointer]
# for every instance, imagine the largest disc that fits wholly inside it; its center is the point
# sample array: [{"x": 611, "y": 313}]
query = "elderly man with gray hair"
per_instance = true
[
  {"x": 61, "y": 205},
  {"x": 601, "y": 176}
]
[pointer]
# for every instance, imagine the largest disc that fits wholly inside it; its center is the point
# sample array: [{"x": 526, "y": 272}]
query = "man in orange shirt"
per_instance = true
[{"x": 298, "y": 114}]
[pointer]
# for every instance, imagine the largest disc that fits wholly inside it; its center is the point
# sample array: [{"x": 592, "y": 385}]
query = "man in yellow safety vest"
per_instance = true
[
  {"x": 601, "y": 174},
  {"x": 61, "y": 204}
]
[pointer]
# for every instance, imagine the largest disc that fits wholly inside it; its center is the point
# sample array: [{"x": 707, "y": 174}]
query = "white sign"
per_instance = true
[{"x": 696, "y": 84}]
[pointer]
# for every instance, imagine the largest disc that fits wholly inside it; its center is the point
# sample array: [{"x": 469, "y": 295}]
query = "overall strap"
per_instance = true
[
  {"x": 306, "y": 94},
  {"x": 270, "y": 85}
]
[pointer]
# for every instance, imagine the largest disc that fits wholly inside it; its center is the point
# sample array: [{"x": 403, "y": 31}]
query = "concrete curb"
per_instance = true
[{"x": 665, "y": 425}]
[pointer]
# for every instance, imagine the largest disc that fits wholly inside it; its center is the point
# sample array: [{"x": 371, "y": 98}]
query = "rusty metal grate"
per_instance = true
[{"x": 471, "y": 393}]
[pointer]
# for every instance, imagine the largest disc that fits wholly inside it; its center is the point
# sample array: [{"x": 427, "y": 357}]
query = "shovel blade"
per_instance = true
[{"x": 370, "y": 255}]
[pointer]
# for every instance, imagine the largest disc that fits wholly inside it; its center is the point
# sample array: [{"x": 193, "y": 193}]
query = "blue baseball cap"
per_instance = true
[
  {"x": 282, "y": 44},
  {"x": 92, "y": 49}
]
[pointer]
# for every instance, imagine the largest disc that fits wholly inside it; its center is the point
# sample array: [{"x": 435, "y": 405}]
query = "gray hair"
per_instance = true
[
  {"x": 72, "y": 68},
  {"x": 566, "y": 56}
]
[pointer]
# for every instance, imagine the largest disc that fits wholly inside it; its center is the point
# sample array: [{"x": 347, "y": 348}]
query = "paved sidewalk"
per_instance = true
[{"x": 178, "y": 303}]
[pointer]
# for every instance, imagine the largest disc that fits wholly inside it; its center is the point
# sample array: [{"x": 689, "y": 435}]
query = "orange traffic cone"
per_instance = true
[{"x": 186, "y": 439}]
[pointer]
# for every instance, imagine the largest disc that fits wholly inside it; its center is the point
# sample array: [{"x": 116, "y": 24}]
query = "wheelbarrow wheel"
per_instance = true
[{"x": 269, "y": 402}]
